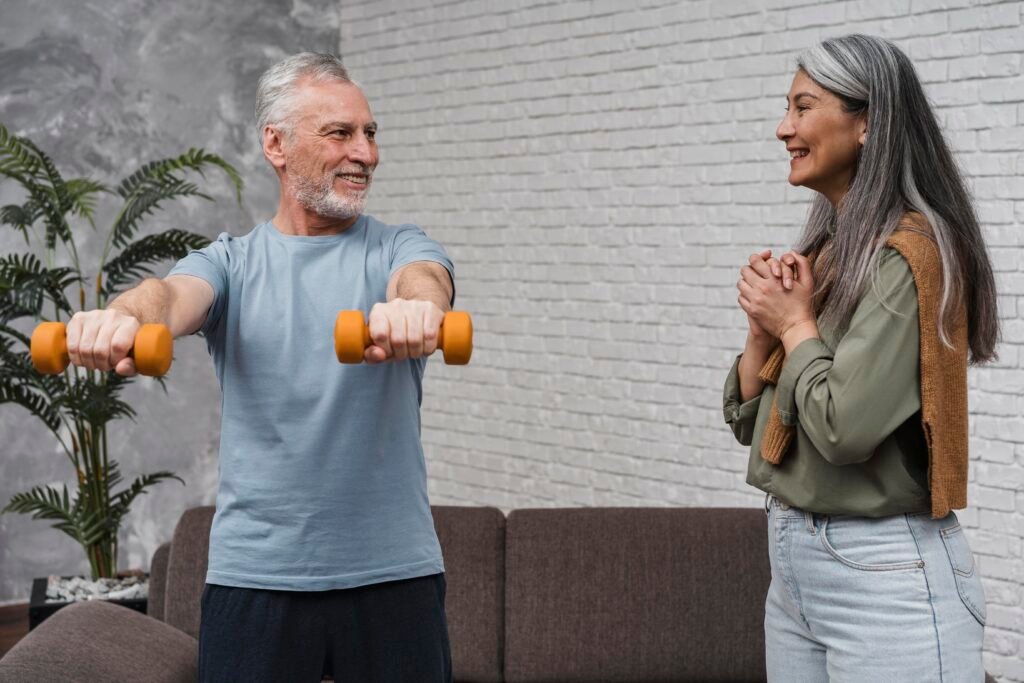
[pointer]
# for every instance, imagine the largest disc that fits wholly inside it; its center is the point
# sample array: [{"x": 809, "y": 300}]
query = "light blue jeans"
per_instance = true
[{"x": 854, "y": 599}]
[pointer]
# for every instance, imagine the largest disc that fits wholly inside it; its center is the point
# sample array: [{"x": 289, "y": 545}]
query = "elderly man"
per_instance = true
[{"x": 323, "y": 554}]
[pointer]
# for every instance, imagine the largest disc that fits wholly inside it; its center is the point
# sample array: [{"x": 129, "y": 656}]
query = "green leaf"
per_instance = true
[
  {"x": 17, "y": 160},
  {"x": 121, "y": 501},
  {"x": 54, "y": 199},
  {"x": 21, "y": 217},
  {"x": 38, "y": 405},
  {"x": 27, "y": 284},
  {"x": 133, "y": 263},
  {"x": 16, "y": 367},
  {"x": 157, "y": 181},
  {"x": 95, "y": 403},
  {"x": 43, "y": 502},
  {"x": 81, "y": 196},
  {"x": 82, "y": 523}
]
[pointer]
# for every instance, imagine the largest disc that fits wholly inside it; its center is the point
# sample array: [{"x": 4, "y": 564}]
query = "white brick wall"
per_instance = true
[{"x": 599, "y": 173}]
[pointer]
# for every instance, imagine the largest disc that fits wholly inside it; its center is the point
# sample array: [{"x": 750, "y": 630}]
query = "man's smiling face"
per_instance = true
[{"x": 331, "y": 150}]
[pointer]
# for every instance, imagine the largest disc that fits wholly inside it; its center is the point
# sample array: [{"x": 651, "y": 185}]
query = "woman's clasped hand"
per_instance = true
[{"x": 777, "y": 294}]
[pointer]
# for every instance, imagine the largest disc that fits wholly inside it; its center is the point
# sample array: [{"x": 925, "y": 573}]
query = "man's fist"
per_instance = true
[
  {"x": 402, "y": 329},
  {"x": 101, "y": 340}
]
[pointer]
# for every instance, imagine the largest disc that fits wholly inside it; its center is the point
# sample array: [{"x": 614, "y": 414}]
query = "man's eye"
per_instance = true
[{"x": 371, "y": 134}]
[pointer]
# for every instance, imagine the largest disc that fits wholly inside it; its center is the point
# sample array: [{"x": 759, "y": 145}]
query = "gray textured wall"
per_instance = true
[{"x": 103, "y": 87}]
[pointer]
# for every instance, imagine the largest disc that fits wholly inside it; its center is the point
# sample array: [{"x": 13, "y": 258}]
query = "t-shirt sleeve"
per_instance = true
[
  {"x": 211, "y": 263},
  {"x": 411, "y": 244}
]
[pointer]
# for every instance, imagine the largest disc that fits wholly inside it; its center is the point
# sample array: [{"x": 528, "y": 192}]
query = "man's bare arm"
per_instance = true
[
  {"x": 101, "y": 339},
  {"x": 419, "y": 294},
  {"x": 180, "y": 302},
  {"x": 423, "y": 281}
]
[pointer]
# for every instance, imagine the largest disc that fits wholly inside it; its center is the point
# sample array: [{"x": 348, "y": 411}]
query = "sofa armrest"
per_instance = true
[
  {"x": 186, "y": 570},
  {"x": 99, "y": 641},
  {"x": 158, "y": 582}
]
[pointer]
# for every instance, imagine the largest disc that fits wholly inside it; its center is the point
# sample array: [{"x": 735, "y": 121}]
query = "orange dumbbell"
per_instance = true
[
  {"x": 152, "y": 351},
  {"x": 352, "y": 337}
]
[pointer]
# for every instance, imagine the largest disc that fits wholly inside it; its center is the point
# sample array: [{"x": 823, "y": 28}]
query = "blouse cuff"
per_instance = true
[
  {"x": 807, "y": 352},
  {"x": 735, "y": 410}
]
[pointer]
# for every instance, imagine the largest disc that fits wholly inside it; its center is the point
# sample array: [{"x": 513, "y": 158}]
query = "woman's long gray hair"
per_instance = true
[{"x": 904, "y": 165}]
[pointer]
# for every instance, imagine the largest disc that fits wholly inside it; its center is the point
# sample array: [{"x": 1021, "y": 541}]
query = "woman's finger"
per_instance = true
[
  {"x": 759, "y": 265},
  {"x": 804, "y": 272},
  {"x": 786, "y": 274},
  {"x": 751, "y": 276}
]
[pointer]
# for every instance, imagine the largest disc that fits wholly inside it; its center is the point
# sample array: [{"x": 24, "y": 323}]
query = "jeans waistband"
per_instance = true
[{"x": 770, "y": 500}]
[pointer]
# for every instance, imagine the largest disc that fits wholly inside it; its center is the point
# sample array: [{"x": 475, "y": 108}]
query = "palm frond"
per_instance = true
[
  {"x": 134, "y": 262},
  {"x": 121, "y": 501},
  {"x": 16, "y": 368},
  {"x": 17, "y": 160},
  {"x": 28, "y": 284},
  {"x": 37, "y": 404},
  {"x": 158, "y": 181},
  {"x": 53, "y": 198},
  {"x": 95, "y": 403},
  {"x": 80, "y": 520},
  {"x": 21, "y": 217},
  {"x": 81, "y": 196},
  {"x": 15, "y": 334}
]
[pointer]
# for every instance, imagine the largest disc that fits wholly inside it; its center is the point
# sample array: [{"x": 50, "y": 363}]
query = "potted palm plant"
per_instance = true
[{"x": 48, "y": 282}]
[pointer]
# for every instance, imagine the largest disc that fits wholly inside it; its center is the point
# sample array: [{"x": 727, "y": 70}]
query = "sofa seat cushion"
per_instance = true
[{"x": 100, "y": 641}]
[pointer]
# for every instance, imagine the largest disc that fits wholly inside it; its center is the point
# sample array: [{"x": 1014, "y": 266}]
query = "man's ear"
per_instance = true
[{"x": 273, "y": 146}]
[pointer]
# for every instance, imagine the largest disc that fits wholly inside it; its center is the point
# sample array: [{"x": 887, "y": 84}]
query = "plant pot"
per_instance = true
[{"x": 39, "y": 609}]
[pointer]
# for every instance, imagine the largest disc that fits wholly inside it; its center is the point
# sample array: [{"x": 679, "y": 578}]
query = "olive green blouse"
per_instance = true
[{"x": 855, "y": 398}]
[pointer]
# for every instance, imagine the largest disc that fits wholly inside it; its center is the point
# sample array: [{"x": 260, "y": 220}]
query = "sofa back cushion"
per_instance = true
[
  {"x": 473, "y": 543},
  {"x": 158, "y": 581},
  {"x": 186, "y": 569},
  {"x": 635, "y": 594}
]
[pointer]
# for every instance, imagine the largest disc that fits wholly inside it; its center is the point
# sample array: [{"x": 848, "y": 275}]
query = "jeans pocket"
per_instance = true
[
  {"x": 871, "y": 545},
  {"x": 961, "y": 561}
]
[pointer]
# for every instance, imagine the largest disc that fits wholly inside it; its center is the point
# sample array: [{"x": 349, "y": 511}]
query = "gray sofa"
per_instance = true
[{"x": 568, "y": 595}]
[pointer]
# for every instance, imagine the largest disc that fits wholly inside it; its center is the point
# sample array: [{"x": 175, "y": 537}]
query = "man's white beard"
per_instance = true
[{"x": 318, "y": 195}]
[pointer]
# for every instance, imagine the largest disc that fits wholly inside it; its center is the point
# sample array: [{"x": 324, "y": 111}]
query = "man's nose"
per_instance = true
[{"x": 361, "y": 150}]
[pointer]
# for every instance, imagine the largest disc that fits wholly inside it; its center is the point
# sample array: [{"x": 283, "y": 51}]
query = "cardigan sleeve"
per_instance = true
[{"x": 849, "y": 401}]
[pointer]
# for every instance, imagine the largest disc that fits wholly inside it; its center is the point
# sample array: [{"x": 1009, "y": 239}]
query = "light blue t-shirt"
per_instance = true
[{"x": 322, "y": 478}]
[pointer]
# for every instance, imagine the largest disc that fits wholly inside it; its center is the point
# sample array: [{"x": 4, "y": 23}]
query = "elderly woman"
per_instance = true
[{"x": 852, "y": 387}]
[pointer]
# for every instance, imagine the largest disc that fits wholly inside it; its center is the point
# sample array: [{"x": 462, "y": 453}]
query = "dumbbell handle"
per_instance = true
[
  {"x": 352, "y": 337},
  {"x": 152, "y": 351}
]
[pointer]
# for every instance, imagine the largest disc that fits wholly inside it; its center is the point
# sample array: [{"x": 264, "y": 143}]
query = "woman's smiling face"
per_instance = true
[{"x": 822, "y": 138}]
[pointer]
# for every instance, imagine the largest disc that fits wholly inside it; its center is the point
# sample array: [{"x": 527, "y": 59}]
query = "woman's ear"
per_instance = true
[{"x": 863, "y": 131}]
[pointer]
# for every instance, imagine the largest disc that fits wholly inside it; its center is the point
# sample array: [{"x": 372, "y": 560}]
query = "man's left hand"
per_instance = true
[{"x": 403, "y": 328}]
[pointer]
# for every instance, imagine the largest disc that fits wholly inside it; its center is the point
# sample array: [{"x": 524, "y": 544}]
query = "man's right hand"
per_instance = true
[{"x": 101, "y": 340}]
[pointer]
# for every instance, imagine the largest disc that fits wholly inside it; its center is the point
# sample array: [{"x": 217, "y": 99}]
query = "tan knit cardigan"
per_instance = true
[{"x": 943, "y": 376}]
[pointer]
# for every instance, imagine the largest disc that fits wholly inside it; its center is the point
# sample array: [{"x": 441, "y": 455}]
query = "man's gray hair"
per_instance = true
[{"x": 276, "y": 89}]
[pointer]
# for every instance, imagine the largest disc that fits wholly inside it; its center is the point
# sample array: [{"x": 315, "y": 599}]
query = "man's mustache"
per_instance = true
[{"x": 359, "y": 169}]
